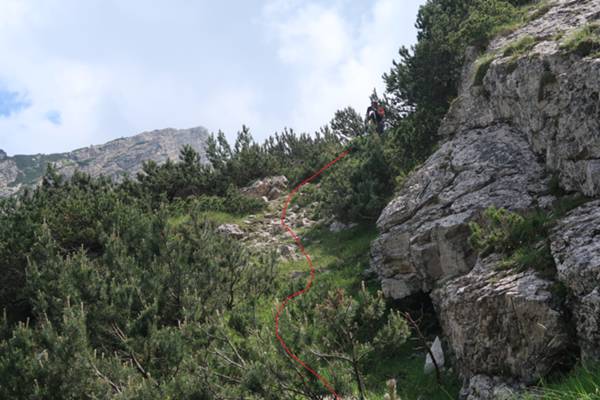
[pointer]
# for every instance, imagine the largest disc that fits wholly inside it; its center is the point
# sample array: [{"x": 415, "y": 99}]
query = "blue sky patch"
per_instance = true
[
  {"x": 54, "y": 117},
  {"x": 12, "y": 103}
]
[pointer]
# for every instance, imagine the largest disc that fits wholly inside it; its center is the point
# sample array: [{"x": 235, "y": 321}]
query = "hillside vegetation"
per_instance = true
[{"x": 127, "y": 291}]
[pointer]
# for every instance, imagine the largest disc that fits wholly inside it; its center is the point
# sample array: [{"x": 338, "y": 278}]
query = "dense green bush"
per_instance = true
[
  {"x": 295, "y": 156},
  {"x": 359, "y": 186},
  {"x": 485, "y": 19},
  {"x": 233, "y": 202},
  {"x": 424, "y": 81}
]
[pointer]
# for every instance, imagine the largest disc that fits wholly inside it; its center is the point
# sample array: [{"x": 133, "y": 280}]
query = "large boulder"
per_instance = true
[
  {"x": 575, "y": 246},
  {"x": 424, "y": 230},
  {"x": 501, "y": 322},
  {"x": 271, "y": 188},
  {"x": 547, "y": 92}
]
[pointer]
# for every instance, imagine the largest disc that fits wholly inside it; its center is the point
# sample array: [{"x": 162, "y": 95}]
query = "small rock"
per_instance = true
[
  {"x": 483, "y": 387},
  {"x": 288, "y": 252},
  {"x": 231, "y": 230},
  {"x": 337, "y": 226},
  {"x": 438, "y": 353},
  {"x": 297, "y": 274},
  {"x": 270, "y": 188}
]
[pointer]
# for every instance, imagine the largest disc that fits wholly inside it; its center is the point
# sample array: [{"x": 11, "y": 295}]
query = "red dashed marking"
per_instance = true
[{"x": 310, "y": 280}]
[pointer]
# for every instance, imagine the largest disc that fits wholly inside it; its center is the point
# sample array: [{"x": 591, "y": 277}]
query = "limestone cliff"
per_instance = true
[
  {"x": 113, "y": 159},
  {"x": 528, "y": 109}
]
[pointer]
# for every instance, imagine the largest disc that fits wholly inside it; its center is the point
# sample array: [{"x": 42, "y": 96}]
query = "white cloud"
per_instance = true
[
  {"x": 314, "y": 36},
  {"x": 337, "y": 63},
  {"x": 111, "y": 68},
  {"x": 12, "y": 13}
]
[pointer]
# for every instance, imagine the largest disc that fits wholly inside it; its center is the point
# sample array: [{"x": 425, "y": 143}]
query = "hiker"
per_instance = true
[{"x": 375, "y": 116}]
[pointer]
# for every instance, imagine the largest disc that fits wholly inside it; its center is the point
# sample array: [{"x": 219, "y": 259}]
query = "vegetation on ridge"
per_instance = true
[{"x": 127, "y": 291}]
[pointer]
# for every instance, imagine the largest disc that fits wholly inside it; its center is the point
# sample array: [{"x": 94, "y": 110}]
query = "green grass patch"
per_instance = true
[
  {"x": 482, "y": 66},
  {"x": 522, "y": 16},
  {"x": 521, "y": 238},
  {"x": 216, "y": 217},
  {"x": 536, "y": 256},
  {"x": 583, "y": 383},
  {"x": 520, "y": 47},
  {"x": 219, "y": 217},
  {"x": 341, "y": 257},
  {"x": 584, "y": 41},
  {"x": 517, "y": 50},
  {"x": 538, "y": 10},
  {"x": 406, "y": 367}
]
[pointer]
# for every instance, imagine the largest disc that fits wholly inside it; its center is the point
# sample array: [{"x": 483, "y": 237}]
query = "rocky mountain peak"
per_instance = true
[{"x": 123, "y": 156}]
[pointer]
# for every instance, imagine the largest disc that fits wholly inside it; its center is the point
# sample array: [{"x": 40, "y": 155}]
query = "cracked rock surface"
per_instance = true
[
  {"x": 424, "y": 230},
  {"x": 502, "y": 322},
  {"x": 575, "y": 246}
]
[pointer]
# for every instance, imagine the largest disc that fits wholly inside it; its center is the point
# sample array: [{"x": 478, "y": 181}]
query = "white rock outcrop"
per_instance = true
[{"x": 424, "y": 230}]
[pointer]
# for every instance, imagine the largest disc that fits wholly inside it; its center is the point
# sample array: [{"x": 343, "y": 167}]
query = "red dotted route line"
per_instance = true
[{"x": 310, "y": 280}]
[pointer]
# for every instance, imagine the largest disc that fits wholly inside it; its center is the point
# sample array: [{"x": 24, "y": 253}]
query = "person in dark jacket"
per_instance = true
[{"x": 375, "y": 116}]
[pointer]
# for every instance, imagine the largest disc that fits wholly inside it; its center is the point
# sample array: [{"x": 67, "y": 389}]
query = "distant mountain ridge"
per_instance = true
[{"x": 112, "y": 159}]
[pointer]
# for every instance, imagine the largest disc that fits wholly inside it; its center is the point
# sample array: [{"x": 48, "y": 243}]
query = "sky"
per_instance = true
[{"x": 76, "y": 73}]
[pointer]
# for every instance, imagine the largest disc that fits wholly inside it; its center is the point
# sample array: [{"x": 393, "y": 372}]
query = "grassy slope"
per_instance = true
[{"x": 342, "y": 258}]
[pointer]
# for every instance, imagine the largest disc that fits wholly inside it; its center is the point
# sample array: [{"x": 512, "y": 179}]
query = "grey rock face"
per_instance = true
[
  {"x": 550, "y": 96},
  {"x": 482, "y": 387},
  {"x": 502, "y": 322},
  {"x": 587, "y": 319},
  {"x": 424, "y": 230},
  {"x": 113, "y": 159},
  {"x": 576, "y": 249},
  {"x": 533, "y": 114},
  {"x": 8, "y": 175}
]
